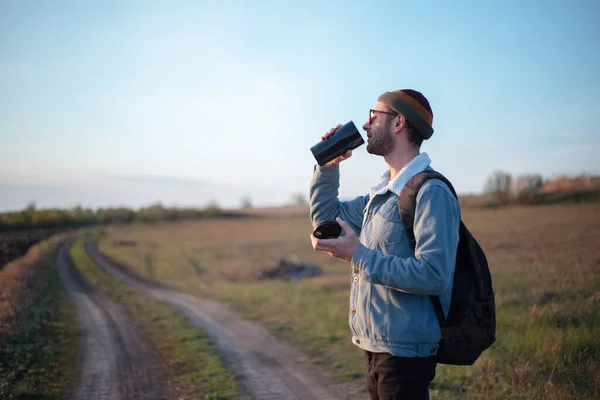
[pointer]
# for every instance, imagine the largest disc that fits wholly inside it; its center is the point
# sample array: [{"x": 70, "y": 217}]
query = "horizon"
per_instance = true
[
  {"x": 246, "y": 202},
  {"x": 138, "y": 103}
]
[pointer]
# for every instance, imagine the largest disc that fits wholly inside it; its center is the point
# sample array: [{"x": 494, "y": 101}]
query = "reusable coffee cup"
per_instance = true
[{"x": 344, "y": 139}]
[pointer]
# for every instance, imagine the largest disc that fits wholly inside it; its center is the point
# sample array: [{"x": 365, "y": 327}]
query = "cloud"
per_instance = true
[{"x": 163, "y": 180}]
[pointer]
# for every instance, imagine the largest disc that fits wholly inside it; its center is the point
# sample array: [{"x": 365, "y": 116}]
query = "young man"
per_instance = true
[{"x": 391, "y": 315}]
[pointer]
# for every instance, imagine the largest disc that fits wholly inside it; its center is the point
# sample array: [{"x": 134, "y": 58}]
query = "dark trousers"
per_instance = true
[{"x": 391, "y": 378}]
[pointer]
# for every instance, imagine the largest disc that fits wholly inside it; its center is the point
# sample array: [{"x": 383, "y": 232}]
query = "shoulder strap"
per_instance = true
[
  {"x": 407, "y": 201},
  {"x": 407, "y": 204}
]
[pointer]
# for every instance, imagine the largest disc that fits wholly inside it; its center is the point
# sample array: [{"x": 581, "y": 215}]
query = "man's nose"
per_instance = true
[{"x": 366, "y": 126}]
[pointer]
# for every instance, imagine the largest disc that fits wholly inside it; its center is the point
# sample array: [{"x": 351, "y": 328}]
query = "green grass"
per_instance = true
[
  {"x": 37, "y": 361},
  {"x": 196, "y": 368},
  {"x": 546, "y": 272}
]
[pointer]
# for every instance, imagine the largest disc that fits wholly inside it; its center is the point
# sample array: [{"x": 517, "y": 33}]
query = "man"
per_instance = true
[{"x": 391, "y": 315}]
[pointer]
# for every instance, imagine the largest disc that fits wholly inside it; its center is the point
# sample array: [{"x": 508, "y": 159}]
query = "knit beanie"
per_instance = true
[{"x": 414, "y": 106}]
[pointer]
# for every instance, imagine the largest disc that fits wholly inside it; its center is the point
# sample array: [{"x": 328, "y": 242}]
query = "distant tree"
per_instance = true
[
  {"x": 153, "y": 213},
  {"x": 299, "y": 199},
  {"x": 76, "y": 212},
  {"x": 246, "y": 202},
  {"x": 527, "y": 185},
  {"x": 28, "y": 213},
  {"x": 212, "y": 209},
  {"x": 498, "y": 184},
  {"x": 115, "y": 215},
  {"x": 30, "y": 207}
]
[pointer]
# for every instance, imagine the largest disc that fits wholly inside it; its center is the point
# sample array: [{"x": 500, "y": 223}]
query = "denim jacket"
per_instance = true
[{"x": 390, "y": 309}]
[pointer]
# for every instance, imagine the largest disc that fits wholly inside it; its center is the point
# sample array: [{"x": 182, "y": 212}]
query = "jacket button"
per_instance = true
[
  {"x": 353, "y": 311},
  {"x": 357, "y": 341},
  {"x": 356, "y": 270},
  {"x": 356, "y": 279},
  {"x": 370, "y": 217}
]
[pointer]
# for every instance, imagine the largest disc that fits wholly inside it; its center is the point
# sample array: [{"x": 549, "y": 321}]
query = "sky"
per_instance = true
[{"x": 128, "y": 103}]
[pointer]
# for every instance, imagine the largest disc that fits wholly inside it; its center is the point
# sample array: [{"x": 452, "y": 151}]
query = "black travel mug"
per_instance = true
[{"x": 344, "y": 139}]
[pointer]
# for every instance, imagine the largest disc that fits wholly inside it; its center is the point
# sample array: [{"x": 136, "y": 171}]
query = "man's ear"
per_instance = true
[{"x": 399, "y": 123}]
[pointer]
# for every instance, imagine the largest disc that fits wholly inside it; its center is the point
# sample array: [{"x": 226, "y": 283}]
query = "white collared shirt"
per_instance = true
[{"x": 416, "y": 165}]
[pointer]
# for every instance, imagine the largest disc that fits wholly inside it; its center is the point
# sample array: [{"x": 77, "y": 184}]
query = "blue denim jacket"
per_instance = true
[{"x": 390, "y": 310}]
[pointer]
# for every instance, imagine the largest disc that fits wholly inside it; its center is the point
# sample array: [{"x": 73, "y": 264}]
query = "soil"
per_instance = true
[
  {"x": 114, "y": 361},
  {"x": 267, "y": 367},
  {"x": 290, "y": 271}
]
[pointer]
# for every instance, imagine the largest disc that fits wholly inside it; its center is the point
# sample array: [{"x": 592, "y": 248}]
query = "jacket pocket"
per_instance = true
[
  {"x": 379, "y": 313},
  {"x": 388, "y": 228},
  {"x": 408, "y": 317}
]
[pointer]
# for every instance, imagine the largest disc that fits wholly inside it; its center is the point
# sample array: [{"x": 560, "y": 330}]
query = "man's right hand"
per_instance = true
[{"x": 341, "y": 158}]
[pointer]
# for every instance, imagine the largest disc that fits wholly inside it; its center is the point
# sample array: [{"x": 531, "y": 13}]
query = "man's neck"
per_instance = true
[{"x": 397, "y": 161}]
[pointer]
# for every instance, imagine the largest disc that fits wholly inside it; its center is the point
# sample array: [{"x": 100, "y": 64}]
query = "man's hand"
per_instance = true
[
  {"x": 342, "y": 247},
  {"x": 341, "y": 158}
]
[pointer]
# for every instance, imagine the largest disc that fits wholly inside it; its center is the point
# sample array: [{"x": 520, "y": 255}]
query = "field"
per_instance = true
[{"x": 545, "y": 266}]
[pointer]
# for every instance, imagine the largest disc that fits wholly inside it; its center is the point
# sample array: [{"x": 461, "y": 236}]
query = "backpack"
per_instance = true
[{"x": 471, "y": 324}]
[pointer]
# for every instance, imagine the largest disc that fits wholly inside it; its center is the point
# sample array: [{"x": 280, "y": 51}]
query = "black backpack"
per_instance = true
[{"x": 471, "y": 324}]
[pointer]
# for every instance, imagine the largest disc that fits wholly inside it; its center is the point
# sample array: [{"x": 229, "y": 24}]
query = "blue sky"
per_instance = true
[{"x": 131, "y": 102}]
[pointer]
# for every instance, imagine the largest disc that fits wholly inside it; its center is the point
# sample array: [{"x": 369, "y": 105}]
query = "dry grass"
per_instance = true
[
  {"x": 545, "y": 263},
  {"x": 38, "y": 333},
  {"x": 17, "y": 284},
  {"x": 15, "y": 277}
]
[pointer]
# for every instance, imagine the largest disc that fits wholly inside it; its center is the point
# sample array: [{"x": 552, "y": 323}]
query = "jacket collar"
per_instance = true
[{"x": 416, "y": 165}]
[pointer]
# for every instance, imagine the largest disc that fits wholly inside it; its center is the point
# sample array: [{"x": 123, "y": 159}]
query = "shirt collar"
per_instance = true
[{"x": 416, "y": 165}]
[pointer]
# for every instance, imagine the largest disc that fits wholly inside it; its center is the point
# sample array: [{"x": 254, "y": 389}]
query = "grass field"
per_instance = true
[
  {"x": 196, "y": 370},
  {"x": 545, "y": 264},
  {"x": 38, "y": 328}
]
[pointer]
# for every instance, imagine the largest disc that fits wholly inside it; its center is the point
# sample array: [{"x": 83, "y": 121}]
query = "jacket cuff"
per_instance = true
[{"x": 327, "y": 172}]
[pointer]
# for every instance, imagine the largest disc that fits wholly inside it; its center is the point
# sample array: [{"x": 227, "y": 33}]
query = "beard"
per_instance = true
[{"x": 381, "y": 144}]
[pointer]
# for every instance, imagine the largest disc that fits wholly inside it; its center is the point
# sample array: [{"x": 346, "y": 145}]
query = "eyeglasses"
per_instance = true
[{"x": 372, "y": 114}]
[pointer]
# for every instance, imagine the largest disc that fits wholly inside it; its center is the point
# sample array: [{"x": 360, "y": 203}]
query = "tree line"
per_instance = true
[
  {"x": 76, "y": 217},
  {"x": 533, "y": 189},
  {"x": 500, "y": 185}
]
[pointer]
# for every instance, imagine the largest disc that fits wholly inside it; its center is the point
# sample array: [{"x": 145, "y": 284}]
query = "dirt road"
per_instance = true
[
  {"x": 268, "y": 368},
  {"x": 114, "y": 361}
]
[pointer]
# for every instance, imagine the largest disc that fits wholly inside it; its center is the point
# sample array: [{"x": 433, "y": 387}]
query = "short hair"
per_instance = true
[{"x": 414, "y": 136}]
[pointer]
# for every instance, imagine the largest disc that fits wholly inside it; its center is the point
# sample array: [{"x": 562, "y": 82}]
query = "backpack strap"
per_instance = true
[
  {"x": 439, "y": 311},
  {"x": 407, "y": 204}
]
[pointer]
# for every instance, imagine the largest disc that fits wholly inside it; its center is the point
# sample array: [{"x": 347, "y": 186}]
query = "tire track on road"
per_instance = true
[
  {"x": 114, "y": 361},
  {"x": 269, "y": 369}
]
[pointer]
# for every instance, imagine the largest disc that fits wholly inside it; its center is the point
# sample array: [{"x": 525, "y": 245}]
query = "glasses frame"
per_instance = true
[{"x": 373, "y": 111}]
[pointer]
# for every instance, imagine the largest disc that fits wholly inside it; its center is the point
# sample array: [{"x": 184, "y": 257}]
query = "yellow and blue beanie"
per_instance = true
[{"x": 414, "y": 106}]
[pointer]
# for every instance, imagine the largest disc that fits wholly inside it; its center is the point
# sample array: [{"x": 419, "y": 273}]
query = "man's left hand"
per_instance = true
[{"x": 342, "y": 247}]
